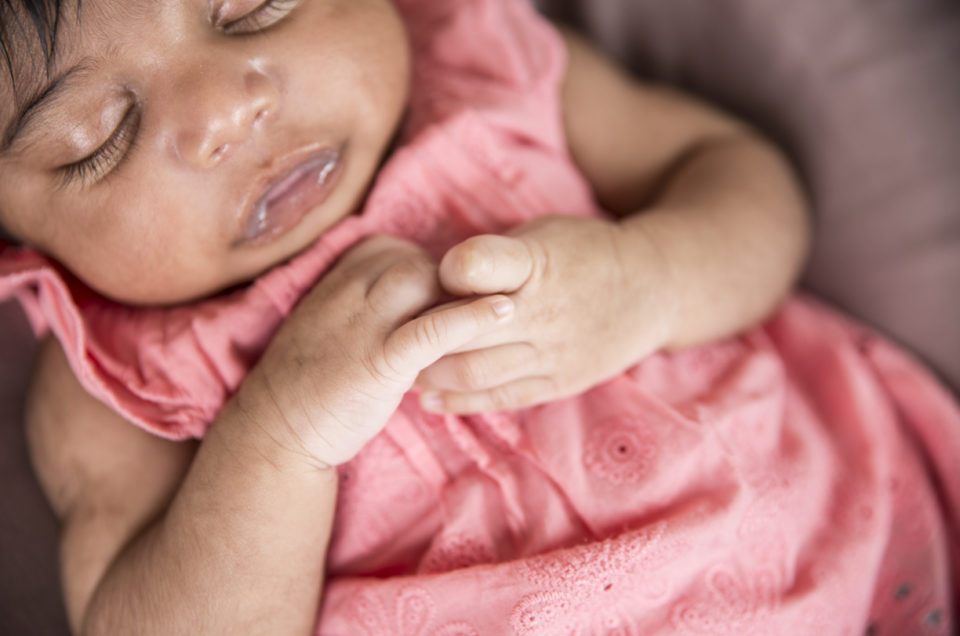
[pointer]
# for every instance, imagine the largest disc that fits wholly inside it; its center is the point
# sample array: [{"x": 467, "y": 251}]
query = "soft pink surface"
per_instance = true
[{"x": 799, "y": 479}]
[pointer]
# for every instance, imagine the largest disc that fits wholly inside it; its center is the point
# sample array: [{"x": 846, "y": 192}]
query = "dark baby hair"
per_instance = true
[
  {"x": 24, "y": 20},
  {"x": 28, "y": 43}
]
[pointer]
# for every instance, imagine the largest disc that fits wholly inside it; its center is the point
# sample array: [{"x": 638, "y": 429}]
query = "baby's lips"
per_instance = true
[{"x": 291, "y": 197}]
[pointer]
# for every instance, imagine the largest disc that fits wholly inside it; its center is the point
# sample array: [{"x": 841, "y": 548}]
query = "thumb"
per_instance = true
[{"x": 486, "y": 264}]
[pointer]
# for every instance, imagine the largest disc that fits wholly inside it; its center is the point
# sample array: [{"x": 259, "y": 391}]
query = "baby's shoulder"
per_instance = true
[{"x": 82, "y": 450}]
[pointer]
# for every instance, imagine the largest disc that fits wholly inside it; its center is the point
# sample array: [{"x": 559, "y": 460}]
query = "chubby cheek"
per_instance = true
[
  {"x": 387, "y": 73},
  {"x": 144, "y": 249},
  {"x": 359, "y": 71},
  {"x": 138, "y": 275}
]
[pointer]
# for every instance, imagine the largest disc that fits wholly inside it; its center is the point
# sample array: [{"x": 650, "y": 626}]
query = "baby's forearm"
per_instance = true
[
  {"x": 240, "y": 549},
  {"x": 731, "y": 225},
  {"x": 719, "y": 203}
]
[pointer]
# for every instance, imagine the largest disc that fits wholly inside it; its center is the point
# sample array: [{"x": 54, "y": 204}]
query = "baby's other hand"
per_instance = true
[
  {"x": 590, "y": 302},
  {"x": 341, "y": 363}
]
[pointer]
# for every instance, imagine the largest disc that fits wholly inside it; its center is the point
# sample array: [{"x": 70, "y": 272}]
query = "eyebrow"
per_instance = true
[{"x": 33, "y": 107}]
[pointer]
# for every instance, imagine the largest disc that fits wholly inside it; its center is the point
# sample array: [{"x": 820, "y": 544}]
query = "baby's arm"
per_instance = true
[
  {"x": 148, "y": 547},
  {"x": 712, "y": 234},
  {"x": 719, "y": 200},
  {"x": 229, "y": 536}
]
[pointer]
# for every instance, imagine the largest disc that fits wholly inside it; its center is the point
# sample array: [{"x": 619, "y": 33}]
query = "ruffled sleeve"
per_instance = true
[
  {"x": 168, "y": 370},
  {"x": 162, "y": 369}
]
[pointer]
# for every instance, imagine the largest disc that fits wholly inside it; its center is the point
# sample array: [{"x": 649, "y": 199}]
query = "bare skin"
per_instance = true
[{"x": 161, "y": 537}]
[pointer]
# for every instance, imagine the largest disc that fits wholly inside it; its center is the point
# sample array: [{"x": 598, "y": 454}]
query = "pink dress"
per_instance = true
[{"x": 800, "y": 479}]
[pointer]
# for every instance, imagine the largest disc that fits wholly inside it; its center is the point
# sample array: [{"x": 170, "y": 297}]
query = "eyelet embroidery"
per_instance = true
[
  {"x": 596, "y": 588},
  {"x": 413, "y": 612},
  {"x": 456, "y": 551},
  {"x": 621, "y": 451},
  {"x": 761, "y": 528},
  {"x": 733, "y": 603},
  {"x": 414, "y": 609},
  {"x": 457, "y": 628}
]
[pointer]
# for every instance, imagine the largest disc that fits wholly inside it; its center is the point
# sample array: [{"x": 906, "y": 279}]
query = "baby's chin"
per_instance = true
[
  {"x": 160, "y": 285},
  {"x": 158, "y": 296}
]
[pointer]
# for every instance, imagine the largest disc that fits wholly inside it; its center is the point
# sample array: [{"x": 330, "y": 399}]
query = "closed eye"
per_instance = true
[
  {"x": 95, "y": 167},
  {"x": 263, "y": 17}
]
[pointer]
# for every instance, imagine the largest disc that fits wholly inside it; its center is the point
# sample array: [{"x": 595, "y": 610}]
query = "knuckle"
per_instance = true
[
  {"x": 540, "y": 259},
  {"x": 387, "y": 369},
  {"x": 373, "y": 250},
  {"x": 472, "y": 372},
  {"x": 364, "y": 250},
  {"x": 414, "y": 267},
  {"x": 409, "y": 280},
  {"x": 412, "y": 271},
  {"x": 502, "y": 397},
  {"x": 429, "y": 333}
]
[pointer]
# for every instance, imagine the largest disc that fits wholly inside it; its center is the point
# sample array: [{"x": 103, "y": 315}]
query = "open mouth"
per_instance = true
[{"x": 291, "y": 196}]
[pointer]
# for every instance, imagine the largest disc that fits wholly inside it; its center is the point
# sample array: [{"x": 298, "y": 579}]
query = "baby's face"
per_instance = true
[{"x": 188, "y": 145}]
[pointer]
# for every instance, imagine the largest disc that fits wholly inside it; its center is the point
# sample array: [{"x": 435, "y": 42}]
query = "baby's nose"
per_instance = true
[{"x": 219, "y": 107}]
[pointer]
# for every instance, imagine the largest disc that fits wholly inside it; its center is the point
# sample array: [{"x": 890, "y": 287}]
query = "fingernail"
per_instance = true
[
  {"x": 503, "y": 307},
  {"x": 431, "y": 401}
]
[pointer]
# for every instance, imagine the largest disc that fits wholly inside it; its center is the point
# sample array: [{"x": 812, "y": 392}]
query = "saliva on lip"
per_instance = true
[
  {"x": 327, "y": 169},
  {"x": 259, "y": 224}
]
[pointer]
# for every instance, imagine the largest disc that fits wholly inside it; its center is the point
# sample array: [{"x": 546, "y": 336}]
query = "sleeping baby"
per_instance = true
[{"x": 421, "y": 317}]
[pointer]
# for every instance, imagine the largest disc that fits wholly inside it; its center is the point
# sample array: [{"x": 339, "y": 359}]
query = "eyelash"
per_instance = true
[
  {"x": 114, "y": 150},
  {"x": 263, "y": 17},
  {"x": 109, "y": 155}
]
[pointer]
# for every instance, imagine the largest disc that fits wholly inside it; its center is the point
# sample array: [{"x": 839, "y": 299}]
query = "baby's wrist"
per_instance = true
[
  {"x": 655, "y": 279},
  {"x": 258, "y": 418}
]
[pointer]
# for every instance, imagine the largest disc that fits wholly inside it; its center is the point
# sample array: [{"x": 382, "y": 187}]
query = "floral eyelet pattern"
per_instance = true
[{"x": 621, "y": 451}]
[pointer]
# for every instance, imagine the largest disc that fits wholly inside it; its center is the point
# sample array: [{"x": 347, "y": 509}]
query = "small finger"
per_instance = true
[
  {"x": 406, "y": 287},
  {"x": 486, "y": 264},
  {"x": 364, "y": 265},
  {"x": 512, "y": 395},
  {"x": 417, "y": 344},
  {"x": 480, "y": 369}
]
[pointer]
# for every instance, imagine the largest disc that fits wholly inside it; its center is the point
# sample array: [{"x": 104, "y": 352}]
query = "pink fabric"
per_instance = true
[{"x": 798, "y": 479}]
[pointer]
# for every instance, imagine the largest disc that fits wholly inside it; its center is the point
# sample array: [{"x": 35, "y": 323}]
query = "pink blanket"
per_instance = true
[{"x": 799, "y": 479}]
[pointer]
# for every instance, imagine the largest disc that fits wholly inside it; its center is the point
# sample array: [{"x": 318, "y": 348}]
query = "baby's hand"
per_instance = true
[
  {"x": 340, "y": 365},
  {"x": 589, "y": 303}
]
